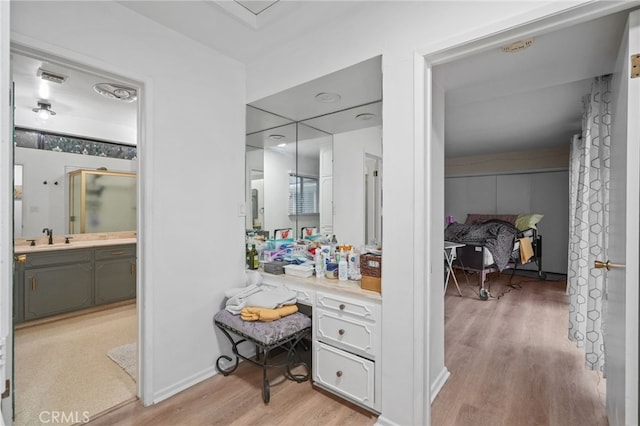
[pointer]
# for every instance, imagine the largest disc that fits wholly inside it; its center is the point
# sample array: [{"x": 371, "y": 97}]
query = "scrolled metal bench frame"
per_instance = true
[{"x": 263, "y": 349}]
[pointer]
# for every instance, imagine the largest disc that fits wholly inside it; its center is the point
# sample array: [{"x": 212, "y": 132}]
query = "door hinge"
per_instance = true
[
  {"x": 7, "y": 389},
  {"x": 635, "y": 65}
]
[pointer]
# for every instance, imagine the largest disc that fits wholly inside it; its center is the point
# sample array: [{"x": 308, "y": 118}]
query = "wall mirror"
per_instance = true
[
  {"x": 89, "y": 131},
  {"x": 314, "y": 157}
]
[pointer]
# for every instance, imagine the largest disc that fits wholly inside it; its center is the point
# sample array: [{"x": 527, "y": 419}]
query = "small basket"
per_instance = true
[{"x": 371, "y": 265}]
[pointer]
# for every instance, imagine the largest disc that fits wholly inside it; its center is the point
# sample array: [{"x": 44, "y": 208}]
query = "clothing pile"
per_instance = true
[{"x": 256, "y": 302}]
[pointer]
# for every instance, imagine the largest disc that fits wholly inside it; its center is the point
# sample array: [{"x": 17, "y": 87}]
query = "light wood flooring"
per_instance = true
[{"x": 510, "y": 362}]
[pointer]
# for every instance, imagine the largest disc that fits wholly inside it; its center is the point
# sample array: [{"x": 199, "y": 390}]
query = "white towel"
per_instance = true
[{"x": 274, "y": 298}]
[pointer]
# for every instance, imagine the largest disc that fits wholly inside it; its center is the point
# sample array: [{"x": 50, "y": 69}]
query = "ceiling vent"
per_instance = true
[
  {"x": 51, "y": 76},
  {"x": 518, "y": 46},
  {"x": 116, "y": 92}
]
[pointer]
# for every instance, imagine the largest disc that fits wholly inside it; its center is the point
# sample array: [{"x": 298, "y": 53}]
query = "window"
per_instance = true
[{"x": 303, "y": 195}]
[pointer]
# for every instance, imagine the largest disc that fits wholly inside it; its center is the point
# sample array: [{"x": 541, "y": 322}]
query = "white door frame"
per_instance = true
[
  {"x": 145, "y": 165},
  {"x": 429, "y": 179}
]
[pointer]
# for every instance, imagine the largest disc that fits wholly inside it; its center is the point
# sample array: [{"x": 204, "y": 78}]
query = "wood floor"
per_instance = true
[
  {"x": 510, "y": 362},
  {"x": 237, "y": 400}
]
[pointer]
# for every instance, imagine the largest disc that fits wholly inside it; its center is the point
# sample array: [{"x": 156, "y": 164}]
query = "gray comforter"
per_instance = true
[{"x": 498, "y": 237}]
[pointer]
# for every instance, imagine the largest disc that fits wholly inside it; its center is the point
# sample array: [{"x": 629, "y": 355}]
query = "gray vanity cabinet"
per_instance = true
[
  {"x": 57, "y": 282},
  {"x": 115, "y": 274}
]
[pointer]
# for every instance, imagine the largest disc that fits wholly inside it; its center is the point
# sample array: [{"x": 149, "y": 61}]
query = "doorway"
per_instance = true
[
  {"x": 438, "y": 193},
  {"x": 71, "y": 361}
]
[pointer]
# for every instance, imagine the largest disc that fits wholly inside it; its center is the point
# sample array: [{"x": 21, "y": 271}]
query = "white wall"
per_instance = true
[
  {"x": 522, "y": 193},
  {"x": 191, "y": 172},
  {"x": 47, "y": 205},
  {"x": 395, "y": 30},
  {"x": 349, "y": 151}
]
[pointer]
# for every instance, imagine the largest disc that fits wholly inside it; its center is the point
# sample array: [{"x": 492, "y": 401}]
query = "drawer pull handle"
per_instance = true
[
  {"x": 341, "y": 332},
  {"x": 342, "y": 306},
  {"x": 133, "y": 269},
  {"x": 34, "y": 284},
  {"x": 339, "y": 373},
  {"x": 116, "y": 253}
]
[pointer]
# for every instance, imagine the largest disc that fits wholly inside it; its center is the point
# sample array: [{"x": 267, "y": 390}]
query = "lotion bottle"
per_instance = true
[{"x": 343, "y": 268}]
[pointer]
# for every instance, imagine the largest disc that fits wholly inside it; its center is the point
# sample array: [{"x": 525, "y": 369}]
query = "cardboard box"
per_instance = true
[{"x": 371, "y": 283}]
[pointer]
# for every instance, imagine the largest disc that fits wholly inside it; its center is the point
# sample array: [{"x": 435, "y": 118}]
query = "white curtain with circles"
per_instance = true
[{"x": 588, "y": 223}]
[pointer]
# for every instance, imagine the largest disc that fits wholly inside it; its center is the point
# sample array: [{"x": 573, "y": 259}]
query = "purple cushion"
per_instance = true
[{"x": 266, "y": 333}]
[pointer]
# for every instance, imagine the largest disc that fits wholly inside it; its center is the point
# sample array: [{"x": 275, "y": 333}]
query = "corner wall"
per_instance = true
[{"x": 192, "y": 235}]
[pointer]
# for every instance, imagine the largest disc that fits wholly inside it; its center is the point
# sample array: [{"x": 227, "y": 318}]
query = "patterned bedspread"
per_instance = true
[{"x": 497, "y": 236}]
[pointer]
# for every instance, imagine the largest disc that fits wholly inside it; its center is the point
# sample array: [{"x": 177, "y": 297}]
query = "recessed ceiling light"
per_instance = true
[
  {"x": 281, "y": 145},
  {"x": 276, "y": 137},
  {"x": 328, "y": 97},
  {"x": 365, "y": 116}
]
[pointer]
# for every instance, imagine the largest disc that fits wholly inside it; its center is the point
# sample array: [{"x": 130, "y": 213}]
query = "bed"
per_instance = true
[{"x": 494, "y": 243}]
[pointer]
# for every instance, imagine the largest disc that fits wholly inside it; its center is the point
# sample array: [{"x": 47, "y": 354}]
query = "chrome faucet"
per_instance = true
[{"x": 49, "y": 232}]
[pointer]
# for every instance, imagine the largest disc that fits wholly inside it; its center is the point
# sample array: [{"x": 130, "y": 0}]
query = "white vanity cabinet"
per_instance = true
[
  {"x": 346, "y": 347},
  {"x": 346, "y": 336}
]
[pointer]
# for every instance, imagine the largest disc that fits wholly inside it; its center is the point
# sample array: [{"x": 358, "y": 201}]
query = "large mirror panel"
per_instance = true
[{"x": 314, "y": 158}]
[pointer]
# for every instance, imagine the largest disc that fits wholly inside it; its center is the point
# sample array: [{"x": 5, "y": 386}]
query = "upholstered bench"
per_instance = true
[{"x": 284, "y": 333}]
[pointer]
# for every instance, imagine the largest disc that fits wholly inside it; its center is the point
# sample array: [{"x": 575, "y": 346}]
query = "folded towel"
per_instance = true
[
  {"x": 526, "y": 250},
  {"x": 253, "y": 313},
  {"x": 272, "y": 298},
  {"x": 237, "y": 297}
]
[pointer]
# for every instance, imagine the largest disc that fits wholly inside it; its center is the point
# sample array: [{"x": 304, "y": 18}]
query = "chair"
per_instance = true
[{"x": 284, "y": 333}]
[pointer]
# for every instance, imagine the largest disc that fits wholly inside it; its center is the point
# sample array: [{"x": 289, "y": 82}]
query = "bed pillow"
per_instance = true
[
  {"x": 526, "y": 221},
  {"x": 475, "y": 218}
]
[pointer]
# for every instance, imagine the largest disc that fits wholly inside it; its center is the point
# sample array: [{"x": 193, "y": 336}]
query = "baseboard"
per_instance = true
[
  {"x": 383, "y": 421},
  {"x": 438, "y": 383},
  {"x": 205, "y": 374},
  {"x": 177, "y": 387}
]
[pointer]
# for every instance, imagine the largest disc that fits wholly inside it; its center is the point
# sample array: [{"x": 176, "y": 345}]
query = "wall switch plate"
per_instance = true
[{"x": 242, "y": 209}]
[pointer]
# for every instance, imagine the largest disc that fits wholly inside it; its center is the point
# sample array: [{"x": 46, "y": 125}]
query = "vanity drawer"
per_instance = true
[
  {"x": 113, "y": 252},
  {"x": 58, "y": 257},
  {"x": 346, "y": 333},
  {"x": 303, "y": 296},
  {"x": 344, "y": 373},
  {"x": 345, "y": 305}
]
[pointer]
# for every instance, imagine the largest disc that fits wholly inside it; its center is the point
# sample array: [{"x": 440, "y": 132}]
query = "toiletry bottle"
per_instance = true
[
  {"x": 343, "y": 273},
  {"x": 255, "y": 261},
  {"x": 247, "y": 256},
  {"x": 319, "y": 263}
]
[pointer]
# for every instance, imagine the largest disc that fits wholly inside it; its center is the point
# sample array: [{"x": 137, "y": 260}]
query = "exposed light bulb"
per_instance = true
[{"x": 44, "y": 114}]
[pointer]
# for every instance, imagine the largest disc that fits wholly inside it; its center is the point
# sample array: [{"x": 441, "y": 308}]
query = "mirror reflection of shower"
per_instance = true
[
  {"x": 373, "y": 199},
  {"x": 257, "y": 198}
]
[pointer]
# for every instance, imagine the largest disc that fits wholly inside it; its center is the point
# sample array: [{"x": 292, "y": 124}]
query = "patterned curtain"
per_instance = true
[{"x": 588, "y": 223}]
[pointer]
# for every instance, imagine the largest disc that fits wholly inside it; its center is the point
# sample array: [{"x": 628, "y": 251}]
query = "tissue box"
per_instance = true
[
  {"x": 303, "y": 271},
  {"x": 371, "y": 265}
]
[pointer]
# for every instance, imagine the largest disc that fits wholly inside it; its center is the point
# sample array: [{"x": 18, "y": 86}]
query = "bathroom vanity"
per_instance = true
[
  {"x": 61, "y": 278},
  {"x": 346, "y": 336}
]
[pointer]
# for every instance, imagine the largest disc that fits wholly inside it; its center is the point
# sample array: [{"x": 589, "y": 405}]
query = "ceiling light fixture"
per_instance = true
[
  {"x": 51, "y": 76},
  {"x": 328, "y": 97},
  {"x": 44, "y": 110},
  {"x": 518, "y": 46},
  {"x": 117, "y": 92},
  {"x": 365, "y": 116},
  {"x": 281, "y": 145},
  {"x": 276, "y": 137}
]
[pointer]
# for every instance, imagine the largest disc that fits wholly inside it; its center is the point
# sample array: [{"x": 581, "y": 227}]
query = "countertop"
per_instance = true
[
  {"x": 43, "y": 247},
  {"x": 315, "y": 283}
]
